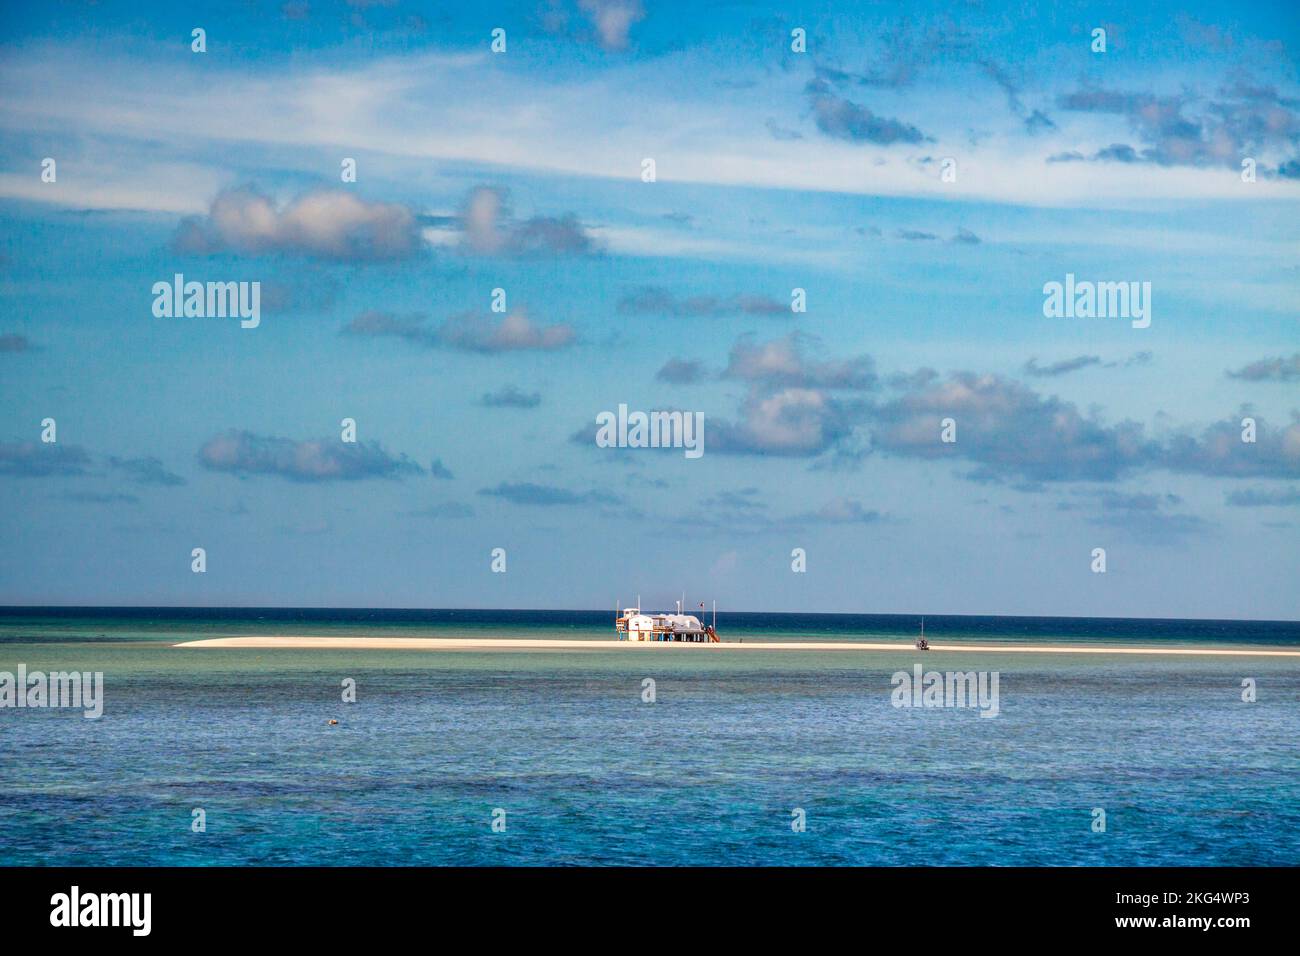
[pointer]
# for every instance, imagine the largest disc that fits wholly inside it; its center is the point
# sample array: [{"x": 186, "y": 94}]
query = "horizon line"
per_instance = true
[{"x": 6, "y": 608}]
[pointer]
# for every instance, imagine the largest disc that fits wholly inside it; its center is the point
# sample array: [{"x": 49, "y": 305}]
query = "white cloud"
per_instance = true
[
  {"x": 177, "y": 188},
  {"x": 461, "y": 108},
  {"x": 613, "y": 19},
  {"x": 329, "y": 224}
]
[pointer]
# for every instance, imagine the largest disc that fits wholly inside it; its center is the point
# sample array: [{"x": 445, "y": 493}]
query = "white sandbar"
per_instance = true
[{"x": 523, "y": 644}]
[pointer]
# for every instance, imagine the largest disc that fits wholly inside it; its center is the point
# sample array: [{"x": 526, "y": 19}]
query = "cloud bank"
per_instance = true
[
  {"x": 317, "y": 460},
  {"x": 326, "y": 224}
]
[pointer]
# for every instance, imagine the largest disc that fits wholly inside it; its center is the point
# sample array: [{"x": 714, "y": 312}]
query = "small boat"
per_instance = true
[
  {"x": 921, "y": 643},
  {"x": 632, "y": 625}
]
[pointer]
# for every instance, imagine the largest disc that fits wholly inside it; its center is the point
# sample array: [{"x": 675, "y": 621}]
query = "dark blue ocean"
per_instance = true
[{"x": 587, "y": 772}]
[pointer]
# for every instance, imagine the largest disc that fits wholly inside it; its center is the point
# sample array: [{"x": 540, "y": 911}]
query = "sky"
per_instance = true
[{"x": 920, "y": 173}]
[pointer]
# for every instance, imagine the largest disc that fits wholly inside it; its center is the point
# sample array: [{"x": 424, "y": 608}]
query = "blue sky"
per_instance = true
[{"x": 775, "y": 170}]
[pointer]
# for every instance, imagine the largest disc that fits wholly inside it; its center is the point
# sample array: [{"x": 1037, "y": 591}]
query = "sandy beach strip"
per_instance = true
[{"x": 524, "y": 644}]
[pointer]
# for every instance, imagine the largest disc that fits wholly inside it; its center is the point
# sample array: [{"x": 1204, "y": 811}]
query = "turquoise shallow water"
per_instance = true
[{"x": 588, "y": 773}]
